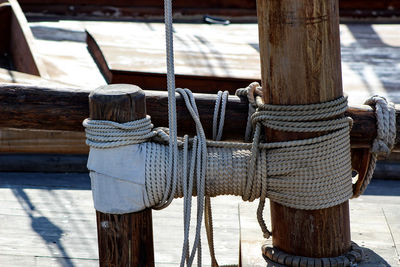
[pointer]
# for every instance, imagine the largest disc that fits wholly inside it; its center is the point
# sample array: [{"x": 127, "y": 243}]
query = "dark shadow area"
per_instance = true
[
  {"x": 383, "y": 188},
  {"x": 369, "y": 50},
  {"x": 47, "y": 230},
  {"x": 370, "y": 259},
  {"x": 53, "y": 181},
  {"x": 58, "y": 34},
  {"x": 49, "y": 163}
]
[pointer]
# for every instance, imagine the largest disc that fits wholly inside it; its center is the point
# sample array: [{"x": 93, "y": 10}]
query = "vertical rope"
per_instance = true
[{"x": 173, "y": 144}]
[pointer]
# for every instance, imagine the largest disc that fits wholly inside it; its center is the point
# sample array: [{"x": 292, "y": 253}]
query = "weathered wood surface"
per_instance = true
[
  {"x": 11, "y": 76},
  {"x": 203, "y": 62},
  {"x": 374, "y": 226},
  {"x": 305, "y": 34},
  {"x": 369, "y": 56},
  {"x": 41, "y": 141},
  {"x": 19, "y": 42},
  {"x": 49, "y": 108},
  {"x": 369, "y": 52},
  {"x": 38, "y": 141},
  {"x": 41, "y": 228},
  {"x": 62, "y": 48},
  {"x": 124, "y": 239}
]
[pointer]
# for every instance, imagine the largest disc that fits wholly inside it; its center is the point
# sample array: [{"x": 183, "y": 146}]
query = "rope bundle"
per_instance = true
[{"x": 313, "y": 173}]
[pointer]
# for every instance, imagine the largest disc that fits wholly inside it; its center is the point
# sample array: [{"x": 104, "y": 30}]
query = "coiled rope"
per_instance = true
[
  {"x": 312, "y": 173},
  {"x": 304, "y": 174}
]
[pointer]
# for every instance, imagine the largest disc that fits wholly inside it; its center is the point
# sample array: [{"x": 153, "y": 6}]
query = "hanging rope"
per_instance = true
[{"x": 385, "y": 113}]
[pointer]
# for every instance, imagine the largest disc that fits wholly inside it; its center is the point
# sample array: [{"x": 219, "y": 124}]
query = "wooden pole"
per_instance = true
[
  {"x": 300, "y": 64},
  {"x": 127, "y": 239}
]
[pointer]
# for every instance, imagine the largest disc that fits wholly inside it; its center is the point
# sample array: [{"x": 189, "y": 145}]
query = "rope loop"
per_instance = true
[
  {"x": 385, "y": 113},
  {"x": 109, "y": 134}
]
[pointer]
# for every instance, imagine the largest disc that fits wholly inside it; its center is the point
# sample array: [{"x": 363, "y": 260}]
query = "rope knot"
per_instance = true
[{"x": 386, "y": 123}]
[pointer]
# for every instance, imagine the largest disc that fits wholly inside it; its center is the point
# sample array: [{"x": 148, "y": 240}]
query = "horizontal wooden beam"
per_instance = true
[{"x": 51, "y": 108}]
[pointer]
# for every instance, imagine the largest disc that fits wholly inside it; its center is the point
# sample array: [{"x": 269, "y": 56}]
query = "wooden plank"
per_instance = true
[
  {"x": 22, "y": 47},
  {"x": 214, "y": 52},
  {"x": 11, "y": 76},
  {"x": 61, "y": 197},
  {"x": 369, "y": 230},
  {"x": 41, "y": 141},
  {"x": 202, "y": 62},
  {"x": 52, "y": 108}
]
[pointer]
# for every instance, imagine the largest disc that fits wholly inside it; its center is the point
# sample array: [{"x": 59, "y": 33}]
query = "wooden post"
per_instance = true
[
  {"x": 124, "y": 240},
  {"x": 300, "y": 64}
]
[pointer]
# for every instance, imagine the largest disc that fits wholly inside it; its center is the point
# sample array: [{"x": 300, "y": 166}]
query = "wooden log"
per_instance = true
[
  {"x": 42, "y": 141},
  {"x": 300, "y": 64},
  {"x": 52, "y": 108},
  {"x": 125, "y": 239}
]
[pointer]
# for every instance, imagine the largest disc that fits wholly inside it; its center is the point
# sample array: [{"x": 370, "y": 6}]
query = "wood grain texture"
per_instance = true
[
  {"x": 300, "y": 64},
  {"x": 204, "y": 62},
  {"x": 42, "y": 141},
  {"x": 124, "y": 239},
  {"x": 230, "y": 54},
  {"x": 52, "y": 108},
  {"x": 22, "y": 47}
]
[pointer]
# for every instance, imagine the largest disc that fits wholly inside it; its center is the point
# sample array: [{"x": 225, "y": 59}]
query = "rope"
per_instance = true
[
  {"x": 219, "y": 113},
  {"x": 109, "y": 134},
  {"x": 308, "y": 174},
  {"x": 385, "y": 113}
]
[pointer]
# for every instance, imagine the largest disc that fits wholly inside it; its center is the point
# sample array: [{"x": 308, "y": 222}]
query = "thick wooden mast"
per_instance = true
[{"x": 300, "y": 64}]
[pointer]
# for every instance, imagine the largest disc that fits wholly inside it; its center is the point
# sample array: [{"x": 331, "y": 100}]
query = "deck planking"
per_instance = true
[
  {"x": 370, "y": 53},
  {"x": 370, "y": 56},
  {"x": 49, "y": 220}
]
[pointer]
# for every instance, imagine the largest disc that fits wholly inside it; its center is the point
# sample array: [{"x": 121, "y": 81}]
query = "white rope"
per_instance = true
[
  {"x": 219, "y": 113},
  {"x": 108, "y": 134},
  {"x": 307, "y": 174},
  {"x": 304, "y": 174},
  {"x": 385, "y": 113}
]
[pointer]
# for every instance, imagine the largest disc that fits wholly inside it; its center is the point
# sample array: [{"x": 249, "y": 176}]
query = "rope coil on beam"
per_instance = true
[{"x": 312, "y": 173}]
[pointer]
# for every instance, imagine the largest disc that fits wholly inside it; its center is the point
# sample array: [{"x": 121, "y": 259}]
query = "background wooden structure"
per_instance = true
[
  {"x": 228, "y": 8},
  {"x": 17, "y": 49}
]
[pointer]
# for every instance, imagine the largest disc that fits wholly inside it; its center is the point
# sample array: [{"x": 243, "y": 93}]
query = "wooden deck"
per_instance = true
[
  {"x": 370, "y": 53},
  {"x": 49, "y": 220}
]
